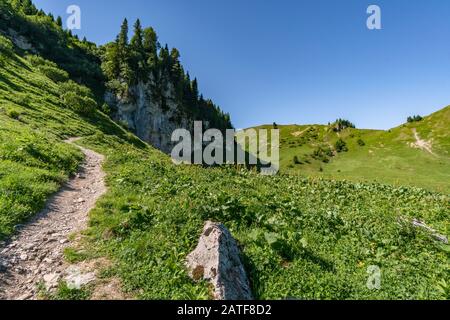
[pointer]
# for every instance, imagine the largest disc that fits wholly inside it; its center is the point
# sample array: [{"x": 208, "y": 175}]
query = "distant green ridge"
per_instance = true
[{"x": 391, "y": 156}]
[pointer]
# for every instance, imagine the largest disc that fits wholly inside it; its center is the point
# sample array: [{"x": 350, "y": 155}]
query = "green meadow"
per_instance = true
[
  {"x": 371, "y": 155},
  {"x": 308, "y": 236}
]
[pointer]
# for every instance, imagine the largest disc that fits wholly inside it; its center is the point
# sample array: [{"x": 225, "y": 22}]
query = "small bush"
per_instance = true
[
  {"x": 6, "y": 46},
  {"x": 72, "y": 86},
  {"x": 361, "y": 142},
  {"x": 77, "y": 97},
  {"x": 341, "y": 146},
  {"x": 23, "y": 99},
  {"x": 37, "y": 61},
  {"x": 82, "y": 105},
  {"x": 297, "y": 160},
  {"x": 48, "y": 68},
  {"x": 13, "y": 114},
  {"x": 106, "y": 109},
  {"x": 323, "y": 154},
  {"x": 117, "y": 87},
  {"x": 54, "y": 74}
]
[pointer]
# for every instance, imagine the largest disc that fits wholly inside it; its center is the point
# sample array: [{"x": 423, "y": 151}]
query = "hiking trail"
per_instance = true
[{"x": 35, "y": 254}]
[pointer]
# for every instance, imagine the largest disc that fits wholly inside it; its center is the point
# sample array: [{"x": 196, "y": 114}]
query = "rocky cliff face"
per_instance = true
[{"x": 150, "y": 113}]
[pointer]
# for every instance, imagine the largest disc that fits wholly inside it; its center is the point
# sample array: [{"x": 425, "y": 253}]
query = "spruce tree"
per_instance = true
[
  {"x": 164, "y": 59},
  {"x": 111, "y": 64},
  {"x": 177, "y": 72},
  {"x": 59, "y": 21},
  {"x": 175, "y": 55},
  {"x": 195, "y": 92},
  {"x": 150, "y": 42},
  {"x": 138, "y": 59},
  {"x": 123, "y": 54},
  {"x": 122, "y": 39},
  {"x": 137, "y": 40}
]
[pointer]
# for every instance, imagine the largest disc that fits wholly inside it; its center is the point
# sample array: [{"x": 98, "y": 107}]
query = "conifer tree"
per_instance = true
[
  {"x": 150, "y": 45},
  {"x": 175, "y": 55},
  {"x": 122, "y": 39},
  {"x": 126, "y": 63},
  {"x": 59, "y": 21},
  {"x": 138, "y": 58},
  {"x": 195, "y": 92},
  {"x": 164, "y": 59},
  {"x": 28, "y": 7},
  {"x": 177, "y": 72},
  {"x": 137, "y": 40}
]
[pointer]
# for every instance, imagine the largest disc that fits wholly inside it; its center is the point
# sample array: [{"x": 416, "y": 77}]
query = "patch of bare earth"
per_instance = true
[
  {"x": 299, "y": 133},
  {"x": 109, "y": 288},
  {"x": 35, "y": 255},
  {"x": 421, "y": 144}
]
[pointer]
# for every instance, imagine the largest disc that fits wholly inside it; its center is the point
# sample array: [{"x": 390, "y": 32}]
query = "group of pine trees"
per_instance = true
[
  {"x": 123, "y": 63},
  {"x": 127, "y": 62},
  {"x": 342, "y": 124},
  {"x": 27, "y": 8},
  {"x": 415, "y": 118}
]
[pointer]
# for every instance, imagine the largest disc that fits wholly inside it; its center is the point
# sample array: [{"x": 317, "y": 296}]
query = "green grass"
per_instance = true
[
  {"x": 34, "y": 160},
  {"x": 72, "y": 255},
  {"x": 304, "y": 238},
  {"x": 64, "y": 293},
  {"x": 383, "y": 156}
]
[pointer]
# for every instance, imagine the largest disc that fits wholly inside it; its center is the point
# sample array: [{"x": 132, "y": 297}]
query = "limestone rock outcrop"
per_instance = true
[
  {"x": 217, "y": 260},
  {"x": 147, "y": 116}
]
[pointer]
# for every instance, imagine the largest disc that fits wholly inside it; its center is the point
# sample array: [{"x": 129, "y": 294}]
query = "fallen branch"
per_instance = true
[{"x": 421, "y": 225}]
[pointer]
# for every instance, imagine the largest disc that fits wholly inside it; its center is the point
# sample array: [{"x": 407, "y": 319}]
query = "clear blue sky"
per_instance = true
[{"x": 297, "y": 61}]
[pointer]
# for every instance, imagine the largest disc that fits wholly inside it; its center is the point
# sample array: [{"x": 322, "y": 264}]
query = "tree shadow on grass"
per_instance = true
[
  {"x": 258, "y": 278},
  {"x": 109, "y": 127},
  {"x": 12, "y": 85}
]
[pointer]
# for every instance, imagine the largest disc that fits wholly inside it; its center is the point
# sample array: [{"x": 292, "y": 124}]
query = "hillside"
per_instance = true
[
  {"x": 303, "y": 238},
  {"x": 392, "y": 156},
  {"x": 150, "y": 93},
  {"x": 136, "y": 80}
]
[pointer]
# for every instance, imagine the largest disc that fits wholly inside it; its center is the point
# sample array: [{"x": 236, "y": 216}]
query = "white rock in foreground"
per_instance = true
[
  {"x": 76, "y": 279},
  {"x": 217, "y": 260}
]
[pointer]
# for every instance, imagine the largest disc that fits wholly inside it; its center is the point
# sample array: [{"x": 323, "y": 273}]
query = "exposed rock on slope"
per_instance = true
[
  {"x": 147, "y": 116},
  {"x": 150, "y": 91},
  {"x": 217, "y": 259}
]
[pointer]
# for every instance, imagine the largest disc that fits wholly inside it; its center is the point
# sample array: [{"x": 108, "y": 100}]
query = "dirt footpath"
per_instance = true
[{"x": 35, "y": 254}]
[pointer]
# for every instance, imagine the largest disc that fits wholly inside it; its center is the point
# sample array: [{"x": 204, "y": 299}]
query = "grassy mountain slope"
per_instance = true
[
  {"x": 373, "y": 155},
  {"x": 33, "y": 122},
  {"x": 44, "y": 36},
  {"x": 301, "y": 237}
]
